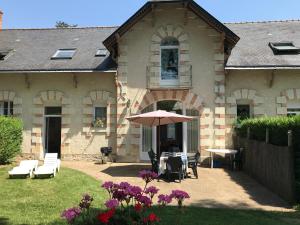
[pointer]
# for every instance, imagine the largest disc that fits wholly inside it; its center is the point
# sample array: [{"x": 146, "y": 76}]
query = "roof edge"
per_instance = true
[{"x": 192, "y": 5}]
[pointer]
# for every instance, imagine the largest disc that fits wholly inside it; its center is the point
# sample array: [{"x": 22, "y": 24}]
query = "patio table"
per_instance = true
[
  {"x": 222, "y": 151},
  {"x": 164, "y": 157}
]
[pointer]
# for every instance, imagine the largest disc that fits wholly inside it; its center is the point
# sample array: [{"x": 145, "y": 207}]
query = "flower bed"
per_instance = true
[{"x": 127, "y": 204}]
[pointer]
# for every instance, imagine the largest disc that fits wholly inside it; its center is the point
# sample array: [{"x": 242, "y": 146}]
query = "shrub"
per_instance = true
[
  {"x": 10, "y": 138},
  {"x": 278, "y": 129},
  {"x": 127, "y": 204}
]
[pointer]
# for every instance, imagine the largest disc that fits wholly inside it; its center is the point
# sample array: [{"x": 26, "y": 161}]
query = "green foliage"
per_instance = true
[
  {"x": 278, "y": 129},
  {"x": 62, "y": 24},
  {"x": 10, "y": 138}
]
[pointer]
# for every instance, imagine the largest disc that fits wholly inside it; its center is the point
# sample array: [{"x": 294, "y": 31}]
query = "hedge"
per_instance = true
[
  {"x": 10, "y": 138},
  {"x": 278, "y": 129}
]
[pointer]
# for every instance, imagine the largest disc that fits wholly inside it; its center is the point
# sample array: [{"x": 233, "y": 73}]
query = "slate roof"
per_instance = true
[
  {"x": 33, "y": 49},
  {"x": 253, "y": 48}
]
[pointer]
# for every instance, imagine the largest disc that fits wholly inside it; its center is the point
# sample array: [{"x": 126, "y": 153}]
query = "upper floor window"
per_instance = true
[
  {"x": 6, "y": 108},
  {"x": 169, "y": 61}
]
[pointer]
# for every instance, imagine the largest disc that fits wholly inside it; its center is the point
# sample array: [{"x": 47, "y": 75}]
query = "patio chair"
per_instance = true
[
  {"x": 153, "y": 159},
  {"x": 237, "y": 162},
  {"x": 50, "y": 167},
  {"x": 175, "y": 166},
  {"x": 25, "y": 168},
  {"x": 193, "y": 163}
]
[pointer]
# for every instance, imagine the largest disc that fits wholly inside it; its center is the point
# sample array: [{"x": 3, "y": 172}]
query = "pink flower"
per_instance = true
[
  {"x": 71, "y": 214},
  {"x": 151, "y": 191},
  {"x": 112, "y": 203},
  {"x": 148, "y": 175},
  {"x": 180, "y": 196},
  {"x": 164, "y": 200}
]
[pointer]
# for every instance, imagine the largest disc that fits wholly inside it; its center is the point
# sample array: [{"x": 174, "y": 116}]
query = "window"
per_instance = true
[
  {"x": 101, "y": 52},
  {"x": 284, "y": 48},
  {"x": 293, "y": 109},
  {"x": 4, "y": 54},
  {"x": 100, "y": 117},
  {"x": 6, "y": 108},
  {"x": 243, "y": 112},
  {"x": 64, "y": 54},
  {"x": 169, "y": 60}
]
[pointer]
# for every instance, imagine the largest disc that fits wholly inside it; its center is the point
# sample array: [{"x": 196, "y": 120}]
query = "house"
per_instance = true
[{"x": 74, "y": 87}]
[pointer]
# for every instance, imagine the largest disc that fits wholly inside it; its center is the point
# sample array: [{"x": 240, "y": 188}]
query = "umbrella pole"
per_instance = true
[{"x": 158, "y": 152}]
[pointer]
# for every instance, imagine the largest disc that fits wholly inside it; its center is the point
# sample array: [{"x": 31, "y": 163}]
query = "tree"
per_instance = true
[{"x": 62, "y": 24}]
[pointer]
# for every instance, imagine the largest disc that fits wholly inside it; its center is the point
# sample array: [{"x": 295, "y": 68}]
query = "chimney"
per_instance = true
[{"x": 1, "y": 14}]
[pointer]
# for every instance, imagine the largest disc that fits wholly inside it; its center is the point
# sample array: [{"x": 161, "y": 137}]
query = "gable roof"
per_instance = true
[
  {"x": 230, "y": 37},
  {"x": 253, "y": 50},
  {"x": 32, "y": 49}
]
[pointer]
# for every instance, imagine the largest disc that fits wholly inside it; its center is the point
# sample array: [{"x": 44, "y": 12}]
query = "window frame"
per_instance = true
[
  {"x": 169, "y": 82},
  {"x": 250, "y": 110},
  {"x": 55, "y": 56},
  {"x": 106, "y": 116},
  {"x": 10, "y": 108},
  {"x": 104, "y": 51}
]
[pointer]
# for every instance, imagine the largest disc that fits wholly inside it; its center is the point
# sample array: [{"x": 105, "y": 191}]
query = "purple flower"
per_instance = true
[
  {"x": 112, "y": 204},
  {"x": 108, "y": 185},
  {"x": 120, "y": 195},
  {"x": 124, "y": 185},
  {"x": 179, "y": 196},
  {"x": 148, "y": 175},
  {"x": 151, "y": 191},
  {"x": 71, "y": 214},
  {"x": 86, "y": 201},
  {"x": 134, "y": 191},
  {"x": 144, "y": 200},
  {"x": 164, "y": 199}
]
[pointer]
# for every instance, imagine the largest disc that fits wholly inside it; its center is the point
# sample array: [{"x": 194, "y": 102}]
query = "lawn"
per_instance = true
[{"x": 41, "y": 202}]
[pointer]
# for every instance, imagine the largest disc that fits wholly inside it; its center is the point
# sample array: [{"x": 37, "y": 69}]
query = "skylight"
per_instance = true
[
  {"x": 101, "y": 52},
  {"x": 64, "y": 54},
  {"x": 284, "y": 48},
  {"x": 3, "y": 54}
]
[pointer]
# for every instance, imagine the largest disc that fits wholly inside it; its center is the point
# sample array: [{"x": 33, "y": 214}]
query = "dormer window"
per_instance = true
[
  {"x": 169, "y": 61},
  {"x": 284, "y": 48},
  {"x": 64, "y": 54},
  {"x": 4, "y": 54},
  {"x": 101, "y": 52}
]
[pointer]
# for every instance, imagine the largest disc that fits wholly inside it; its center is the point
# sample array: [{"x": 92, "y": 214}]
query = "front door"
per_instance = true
[{"x": 53, "y": 131}]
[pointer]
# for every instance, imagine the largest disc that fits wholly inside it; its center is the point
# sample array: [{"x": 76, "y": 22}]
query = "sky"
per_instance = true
[{"x": 45, "y": 13}]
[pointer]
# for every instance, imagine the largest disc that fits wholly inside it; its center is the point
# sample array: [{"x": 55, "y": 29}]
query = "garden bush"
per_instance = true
[
  {"x": 127, "y": 204},
  {"x": 10, "y": 138},
  {"x": 278, "y": 129}
]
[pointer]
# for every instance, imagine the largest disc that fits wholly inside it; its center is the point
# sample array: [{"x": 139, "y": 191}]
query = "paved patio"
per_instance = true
[{"x": 214, "y": 188}]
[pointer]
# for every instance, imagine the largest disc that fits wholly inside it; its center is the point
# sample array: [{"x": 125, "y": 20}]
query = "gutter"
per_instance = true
[
  {"x": 264, "y": 68},
  {"x": 57, "y": 71}
]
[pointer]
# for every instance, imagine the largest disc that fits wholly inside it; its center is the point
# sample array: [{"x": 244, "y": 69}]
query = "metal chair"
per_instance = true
[
  {"x": 193, "y": 163},
  {"x": 174, "y": 166},
  {"x": 237, "y": 162},
  {"x": 153, "y": 159}
]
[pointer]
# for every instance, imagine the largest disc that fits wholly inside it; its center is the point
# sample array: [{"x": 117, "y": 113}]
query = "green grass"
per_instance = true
[{"x": 38, "y": 201}]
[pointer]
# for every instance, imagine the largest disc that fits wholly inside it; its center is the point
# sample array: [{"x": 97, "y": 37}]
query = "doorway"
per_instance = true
[
  {"x": 53, "y": 130},
  {"x": 170, "y": 135}
]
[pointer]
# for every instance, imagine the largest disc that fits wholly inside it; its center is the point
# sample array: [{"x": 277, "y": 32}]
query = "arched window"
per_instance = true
[{"x": 169, "y": 61}]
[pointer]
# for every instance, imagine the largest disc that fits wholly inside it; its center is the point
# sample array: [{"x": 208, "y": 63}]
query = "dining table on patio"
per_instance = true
[
  {"x": 164, "y": 157},
  {"x": 212, "y": 152}
]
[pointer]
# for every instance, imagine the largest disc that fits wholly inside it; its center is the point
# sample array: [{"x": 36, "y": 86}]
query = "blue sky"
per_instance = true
[{"x": 45, "y": 13}]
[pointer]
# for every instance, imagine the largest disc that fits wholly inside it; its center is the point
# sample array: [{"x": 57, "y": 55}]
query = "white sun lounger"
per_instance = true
[
  {"x": 25, "y": 168},
  {"x": 50, "y": 167}
]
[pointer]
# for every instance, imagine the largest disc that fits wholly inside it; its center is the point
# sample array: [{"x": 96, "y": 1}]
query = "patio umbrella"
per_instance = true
[{"x": 157, "y": 118}]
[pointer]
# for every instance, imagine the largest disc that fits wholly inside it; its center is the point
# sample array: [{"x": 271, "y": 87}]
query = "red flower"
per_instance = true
[
  {"x": 104, "y": 217},
  {"x": 153, "y": 218},
  {"x": 138, "y": 207}
]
